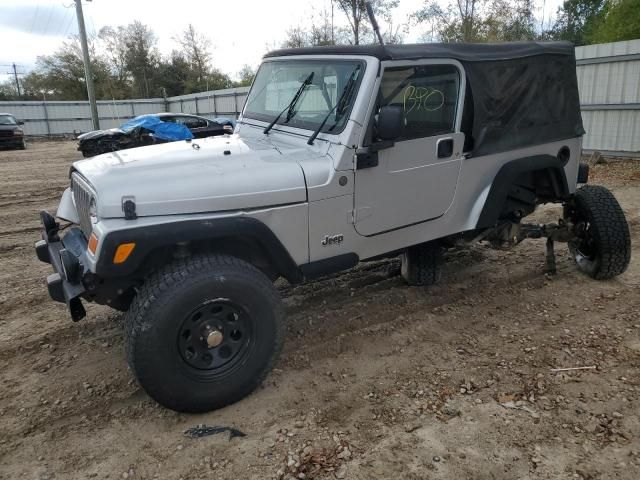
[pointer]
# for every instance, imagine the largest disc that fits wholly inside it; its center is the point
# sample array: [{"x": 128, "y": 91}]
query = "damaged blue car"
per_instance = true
[{"x": 150, "y": 130}]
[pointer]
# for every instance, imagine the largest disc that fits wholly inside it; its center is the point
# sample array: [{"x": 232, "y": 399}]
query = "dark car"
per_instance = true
[
  {"x": 11, "y": 135},
  {"x": 150, "y": 130}
]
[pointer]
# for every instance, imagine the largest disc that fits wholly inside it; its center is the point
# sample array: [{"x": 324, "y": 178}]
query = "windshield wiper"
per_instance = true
[
  {"x": 289, "y": 108},
  {"x": 339, "y": 107}
]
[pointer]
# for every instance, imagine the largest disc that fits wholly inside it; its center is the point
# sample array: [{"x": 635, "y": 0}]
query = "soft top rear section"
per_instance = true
[{"x": 524, "y": 93}]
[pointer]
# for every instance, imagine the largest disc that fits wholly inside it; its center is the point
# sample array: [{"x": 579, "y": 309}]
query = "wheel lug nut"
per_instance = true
[{"x": 214, "y": 338}]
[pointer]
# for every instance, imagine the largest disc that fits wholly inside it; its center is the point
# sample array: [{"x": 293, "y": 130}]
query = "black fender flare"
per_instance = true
[
  {"x": 151, "y": 237},
  {"x": 507, "y": 176}
]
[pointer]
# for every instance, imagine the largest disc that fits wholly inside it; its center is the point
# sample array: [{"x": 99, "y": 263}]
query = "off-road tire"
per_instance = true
[
  {"x": 421, "y": 264},
  {"x": 608, "y": 241},
  {"x": 162, "y": 307}
]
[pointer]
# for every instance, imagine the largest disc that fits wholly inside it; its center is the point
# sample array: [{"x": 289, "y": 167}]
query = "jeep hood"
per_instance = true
[{"x": 208, "y": 175}]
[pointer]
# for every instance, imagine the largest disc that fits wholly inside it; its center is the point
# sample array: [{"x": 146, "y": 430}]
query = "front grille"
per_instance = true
[{"x": 82, "y": 194}]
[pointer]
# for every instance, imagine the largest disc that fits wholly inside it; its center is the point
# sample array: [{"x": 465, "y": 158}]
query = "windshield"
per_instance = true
[
  {"x": 277, "y": 82},
  {"x": 7, "y": 120}
]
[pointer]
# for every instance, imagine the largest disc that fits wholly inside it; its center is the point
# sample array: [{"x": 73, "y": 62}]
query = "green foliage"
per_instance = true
[
  {"x": 478, "y": 20},
  {"x": 577, "y": 19},
  {"x": 359, "y": 29},
  {"x": 125, "y": 63},
  {"x": 621, "y": 22},
  {"x": 510, "y": 21},
  {"x": 61, "y": 76},
  {"x": 321, "y": 29},
  {"x": 246, "y": 75}
]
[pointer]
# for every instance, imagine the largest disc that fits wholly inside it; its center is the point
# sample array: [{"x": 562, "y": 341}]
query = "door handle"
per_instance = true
[{"x": 445, "y": 147}]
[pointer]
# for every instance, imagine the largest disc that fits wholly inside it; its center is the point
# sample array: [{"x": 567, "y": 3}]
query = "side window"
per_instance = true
[
  {"x": 192, "y": 122},
  {"x": 427, "y": 93}
]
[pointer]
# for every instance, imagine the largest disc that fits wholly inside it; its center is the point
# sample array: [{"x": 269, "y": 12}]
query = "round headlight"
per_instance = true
[{"x": 93, "y": 210}]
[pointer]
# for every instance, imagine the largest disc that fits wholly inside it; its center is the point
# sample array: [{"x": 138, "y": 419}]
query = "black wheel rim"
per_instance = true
[
  {"x": 584, "y": 245},
  {"x": 215, "y": 336}
]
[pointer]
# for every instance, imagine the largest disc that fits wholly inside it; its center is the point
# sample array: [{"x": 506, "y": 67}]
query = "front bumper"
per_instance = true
[
  {"x": 12, "y": 141},
  {"x": 65, "y": 283}
]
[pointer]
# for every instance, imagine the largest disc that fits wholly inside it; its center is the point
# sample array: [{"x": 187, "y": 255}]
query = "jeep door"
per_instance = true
[{"x": 414, "y": 180}]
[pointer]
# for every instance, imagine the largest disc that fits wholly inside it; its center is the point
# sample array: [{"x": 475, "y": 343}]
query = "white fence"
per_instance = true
[
  {"x": 609, "y": 83},
  {"x": 65, "y": 117}
]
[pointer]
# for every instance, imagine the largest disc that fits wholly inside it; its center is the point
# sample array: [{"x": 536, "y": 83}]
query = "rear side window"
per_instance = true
[
  {"x": 427, "y": 93},
  {"x": 192, "y": 122}
]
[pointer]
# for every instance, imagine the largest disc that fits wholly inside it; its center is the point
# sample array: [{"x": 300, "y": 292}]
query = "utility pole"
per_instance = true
[
  {"x": 15, "y": 75},
  {"x": 333, "y": 38},
  {"x": 87, "y": 66}
]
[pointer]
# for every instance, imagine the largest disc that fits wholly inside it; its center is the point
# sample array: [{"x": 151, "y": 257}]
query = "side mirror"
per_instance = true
[
  {"x": 389, "y": 127},
  {"x": 20, "y": 122},
  {"x": 390, "y": 123}
]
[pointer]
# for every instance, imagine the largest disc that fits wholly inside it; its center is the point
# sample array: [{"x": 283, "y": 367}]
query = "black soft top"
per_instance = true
[
  {"x": 519, "y": 93},
  {"x": 468, "y": 52}
]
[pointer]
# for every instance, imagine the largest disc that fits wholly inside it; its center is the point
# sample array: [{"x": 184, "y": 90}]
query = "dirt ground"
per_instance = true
[{"x": 377, "y": 380}]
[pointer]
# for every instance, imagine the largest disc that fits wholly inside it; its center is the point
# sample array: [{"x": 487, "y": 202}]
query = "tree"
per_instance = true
[
  {"x": 577, "y": 19},
  {"x": 8, "y": 90},
  {"x": 356, "y": 14},
  {"x": 197, "y": 51},
  {"x": 509, "y": 21},
  {"x": 60, "y": 76},
  {"x": 392, "y": 33},
  {"x": 459, "y": 21},
  {"x": 296, "y": 38},
  {"x": 246, "y": 76},
  {"x": 321, "y": 31},
  {"x": 479, "y": 20},
  {"x": 174, "y": 74},
  {"x": 621, "y": 22},
  {"x": 141, "y": 58},
  {"x": 217, "y": 80},
  {"x": 115, "y": 52}
]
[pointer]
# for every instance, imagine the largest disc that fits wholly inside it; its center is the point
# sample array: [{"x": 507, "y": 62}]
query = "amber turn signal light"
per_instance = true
[
  {"x": 93, "y": 243},
  {"x": 122, "y": 252}
]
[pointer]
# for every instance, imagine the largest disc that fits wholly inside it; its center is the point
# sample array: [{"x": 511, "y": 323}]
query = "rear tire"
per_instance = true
[
  {"x": 421, "y": 264},
  {"x": 602, "y": 248},
  {"x": 204, "y": 332}
]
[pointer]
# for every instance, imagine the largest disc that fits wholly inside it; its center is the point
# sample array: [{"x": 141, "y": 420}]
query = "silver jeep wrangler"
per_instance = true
[{"x": 341, "y": 155}]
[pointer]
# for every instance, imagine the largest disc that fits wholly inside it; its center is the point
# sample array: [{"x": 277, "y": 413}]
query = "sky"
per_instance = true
[{"x": 241, "y": 31}]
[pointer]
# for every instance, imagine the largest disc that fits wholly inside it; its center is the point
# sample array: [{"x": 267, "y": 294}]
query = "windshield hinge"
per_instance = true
[{"x": 129, "y": 208}]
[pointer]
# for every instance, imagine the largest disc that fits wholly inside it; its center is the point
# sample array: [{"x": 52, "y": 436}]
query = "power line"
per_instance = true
[
  {"x": 48, "y": 19},
  {"x": 33, "y": 23},
  {"x": 66, "y": 30},
  {"x": 15, "y": 74}
]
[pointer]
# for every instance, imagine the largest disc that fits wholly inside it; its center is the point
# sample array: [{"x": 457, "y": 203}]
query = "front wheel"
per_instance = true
[
  {"x": 204, "y": 332},
  {"x": 602, "y": 246}
]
